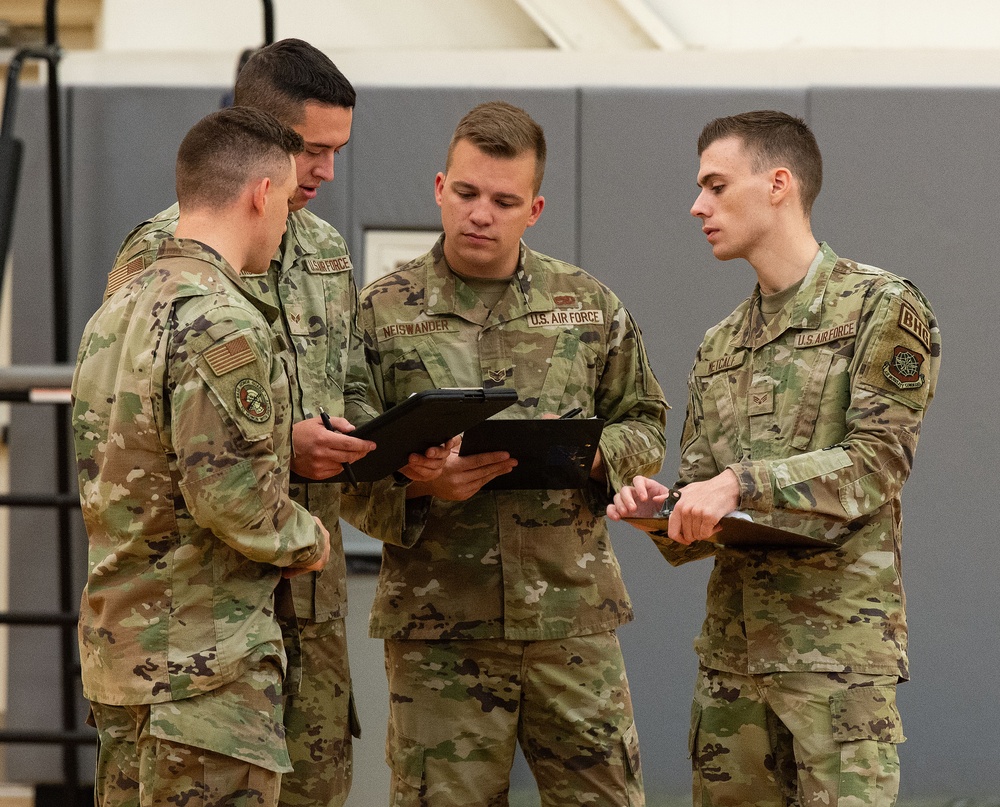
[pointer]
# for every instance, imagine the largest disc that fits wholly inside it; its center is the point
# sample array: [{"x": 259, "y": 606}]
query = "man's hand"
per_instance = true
[
  {"x": 315, "y": 566},
  {"x": 628, "y": 500},
  {"x": 429, "y": 465},
  {"x": 318, "y": 453},
  {"x": 696, "y": 515},
  {"x": 463, "y": 477}
]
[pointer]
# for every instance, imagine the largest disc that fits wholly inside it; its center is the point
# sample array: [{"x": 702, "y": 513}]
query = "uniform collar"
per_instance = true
[
  {"x": 196, "y": 250},
  {"x": 804, "y": 312},
  {"x": 447, "y": 294}
]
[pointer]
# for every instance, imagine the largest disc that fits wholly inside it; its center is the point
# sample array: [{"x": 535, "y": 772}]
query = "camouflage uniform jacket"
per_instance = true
[
  {"x": 311, "y": 281},
  {"x": 182, "y": 422},
  {"x": 818, "y": 413},
  {"x": 530, "y": 564}
]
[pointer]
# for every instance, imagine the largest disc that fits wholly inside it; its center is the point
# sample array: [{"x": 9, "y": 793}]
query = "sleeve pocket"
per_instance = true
[
  {"x": 405, "y": 757},
  {"x": 693, "y": 731},
  {"x": 630, "y": 742},
  {"x": 866, "y": 713}
]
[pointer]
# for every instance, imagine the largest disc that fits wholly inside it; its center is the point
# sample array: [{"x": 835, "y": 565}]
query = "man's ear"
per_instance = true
[
  {"x": 782, "y": 185},
  {"x": 261, "y": 195},
  {"x": 537, "y": 204},
  {"x": 438, "y": 187}
]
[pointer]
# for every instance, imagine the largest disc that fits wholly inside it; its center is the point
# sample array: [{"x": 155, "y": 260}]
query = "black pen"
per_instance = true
[
  {"x": 348, "y": 470},
  {"x": 572, "y": 413}
]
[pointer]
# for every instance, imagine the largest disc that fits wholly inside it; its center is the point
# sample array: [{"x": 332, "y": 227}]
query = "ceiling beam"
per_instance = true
[{"x": 600, "y": 25}]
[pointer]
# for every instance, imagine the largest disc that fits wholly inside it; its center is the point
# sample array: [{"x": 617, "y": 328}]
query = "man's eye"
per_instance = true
[{"x": 717, "y": 189}]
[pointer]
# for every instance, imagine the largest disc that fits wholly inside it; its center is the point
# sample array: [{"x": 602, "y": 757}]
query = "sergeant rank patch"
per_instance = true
[
  {"x": 253, "y": 401},
  {"x": 903, "y": 369}
]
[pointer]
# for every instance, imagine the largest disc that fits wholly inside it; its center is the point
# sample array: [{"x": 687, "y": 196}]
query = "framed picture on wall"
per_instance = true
[{"x": 387, "y": 250}]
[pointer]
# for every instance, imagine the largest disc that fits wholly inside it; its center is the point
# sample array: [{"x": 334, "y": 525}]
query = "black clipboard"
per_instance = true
[
  {"x": 425, "y": 419},
  {"x": 738, "y": 531},
  {"x": 551, "y": 454}
]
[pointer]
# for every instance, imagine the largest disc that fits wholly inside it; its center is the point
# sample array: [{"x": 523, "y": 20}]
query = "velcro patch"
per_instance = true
[
  {"x": 252, "y": 400},
  {"x": 121, "y": 275},
  {"x": 761, "y": 400},
  {"x": 911, "y": 323},
  {"x": 330, "y": 265},
  {"x": 903, "y": 369},
  {"x": 230, "y": 355},
  {"x": 704, "y": 368},
  {"x": 811, "y": 338},
  {"x": 547, "y": 319},
  {"x": 418, "y": 328}
]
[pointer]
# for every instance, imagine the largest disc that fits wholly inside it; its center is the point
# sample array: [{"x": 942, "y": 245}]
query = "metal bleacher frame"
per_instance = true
[{"x": 49, "y": 385}]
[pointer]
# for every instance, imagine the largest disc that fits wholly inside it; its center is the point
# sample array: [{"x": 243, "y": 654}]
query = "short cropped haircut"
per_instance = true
[
  {"x": 773, "y": 139},
  {"x": 280, "y": 78},
  {"x": 502, "y": 130},
  {"x": 226, "y": 150}
]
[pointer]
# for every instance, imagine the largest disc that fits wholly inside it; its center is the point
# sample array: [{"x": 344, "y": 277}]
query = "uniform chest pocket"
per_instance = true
[
  {"x": 571, "y": 377},
  {"x": 719, "y": 415},
  {"x": 810, "y": 398},
  {"x": 319, "y": 317},
  {"x": 418, "y": 366}
]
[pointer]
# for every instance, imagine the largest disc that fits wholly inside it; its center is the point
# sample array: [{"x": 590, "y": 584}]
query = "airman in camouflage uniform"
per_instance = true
[
  {"x": 499, "y": 609},
  {"x": 311, "y": 281},
  {"x": 182, "y": 424},
  {"x": 805, "y": 408}
]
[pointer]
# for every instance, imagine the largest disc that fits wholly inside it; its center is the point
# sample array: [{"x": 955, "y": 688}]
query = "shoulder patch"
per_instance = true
[
  {"x": 121, "y": 275},
  {"x": 903, "y": 369},
  {"x": 910, "y": 322},
  {"x": 230, "y": 355},
  {"x": 252, "y": 400}
]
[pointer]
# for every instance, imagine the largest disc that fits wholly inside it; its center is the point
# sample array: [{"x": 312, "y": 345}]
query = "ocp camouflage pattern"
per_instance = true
[
  {"x": 311, "y": 282},
  {"x": 818, "y": 413},
  {"x": 526, "y": 564},
  {"x": 181, "y": 423}
]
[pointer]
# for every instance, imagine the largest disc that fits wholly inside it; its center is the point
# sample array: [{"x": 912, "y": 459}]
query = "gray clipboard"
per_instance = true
[
  {"x": 425, "y": 419},
  {"x": 737, "y": 532},
  {"x": 551, "y": 454}
]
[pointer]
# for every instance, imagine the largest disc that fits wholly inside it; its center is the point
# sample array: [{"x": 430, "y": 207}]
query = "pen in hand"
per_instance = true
[
  {"x": 348, "y": 470},
  {"x": 572, "y": 413}
]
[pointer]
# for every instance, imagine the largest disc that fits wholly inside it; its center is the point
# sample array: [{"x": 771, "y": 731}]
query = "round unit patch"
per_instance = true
[{"x": 253, "y": 401}]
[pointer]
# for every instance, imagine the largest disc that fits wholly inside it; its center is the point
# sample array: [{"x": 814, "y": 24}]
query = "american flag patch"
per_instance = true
[
  {"x": 121, "y": 275},
  {"x": 227, "y": 357}
]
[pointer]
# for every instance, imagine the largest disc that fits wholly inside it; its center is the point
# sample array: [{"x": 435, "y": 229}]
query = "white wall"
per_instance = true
[{"x": 735, "y": 43}]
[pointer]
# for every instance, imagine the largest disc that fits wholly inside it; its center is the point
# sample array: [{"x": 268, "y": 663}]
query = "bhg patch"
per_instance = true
[
  {"x": 252, "y": 400},
  {"x": 903, "y": 369}
]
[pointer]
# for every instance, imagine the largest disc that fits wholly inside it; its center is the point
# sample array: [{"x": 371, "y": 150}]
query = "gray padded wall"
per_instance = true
[
  {"x": 125, "y": 146},
  {"x": 639, "y": 164},
  {"x": 913, "y": 185},
  {"x": 399, "y": 142}
]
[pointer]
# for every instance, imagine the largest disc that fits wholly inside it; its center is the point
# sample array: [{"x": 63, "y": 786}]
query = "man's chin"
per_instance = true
[{"x": 302, "y": 197}]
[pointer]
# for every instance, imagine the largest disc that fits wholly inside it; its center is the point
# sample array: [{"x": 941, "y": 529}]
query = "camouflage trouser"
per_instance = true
[
  {"x": 196, "y": 752},
  {"x": 320, "y": 720},
  {"x": 458, "y": 709},
  {"x": 795, "y": 740}
]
